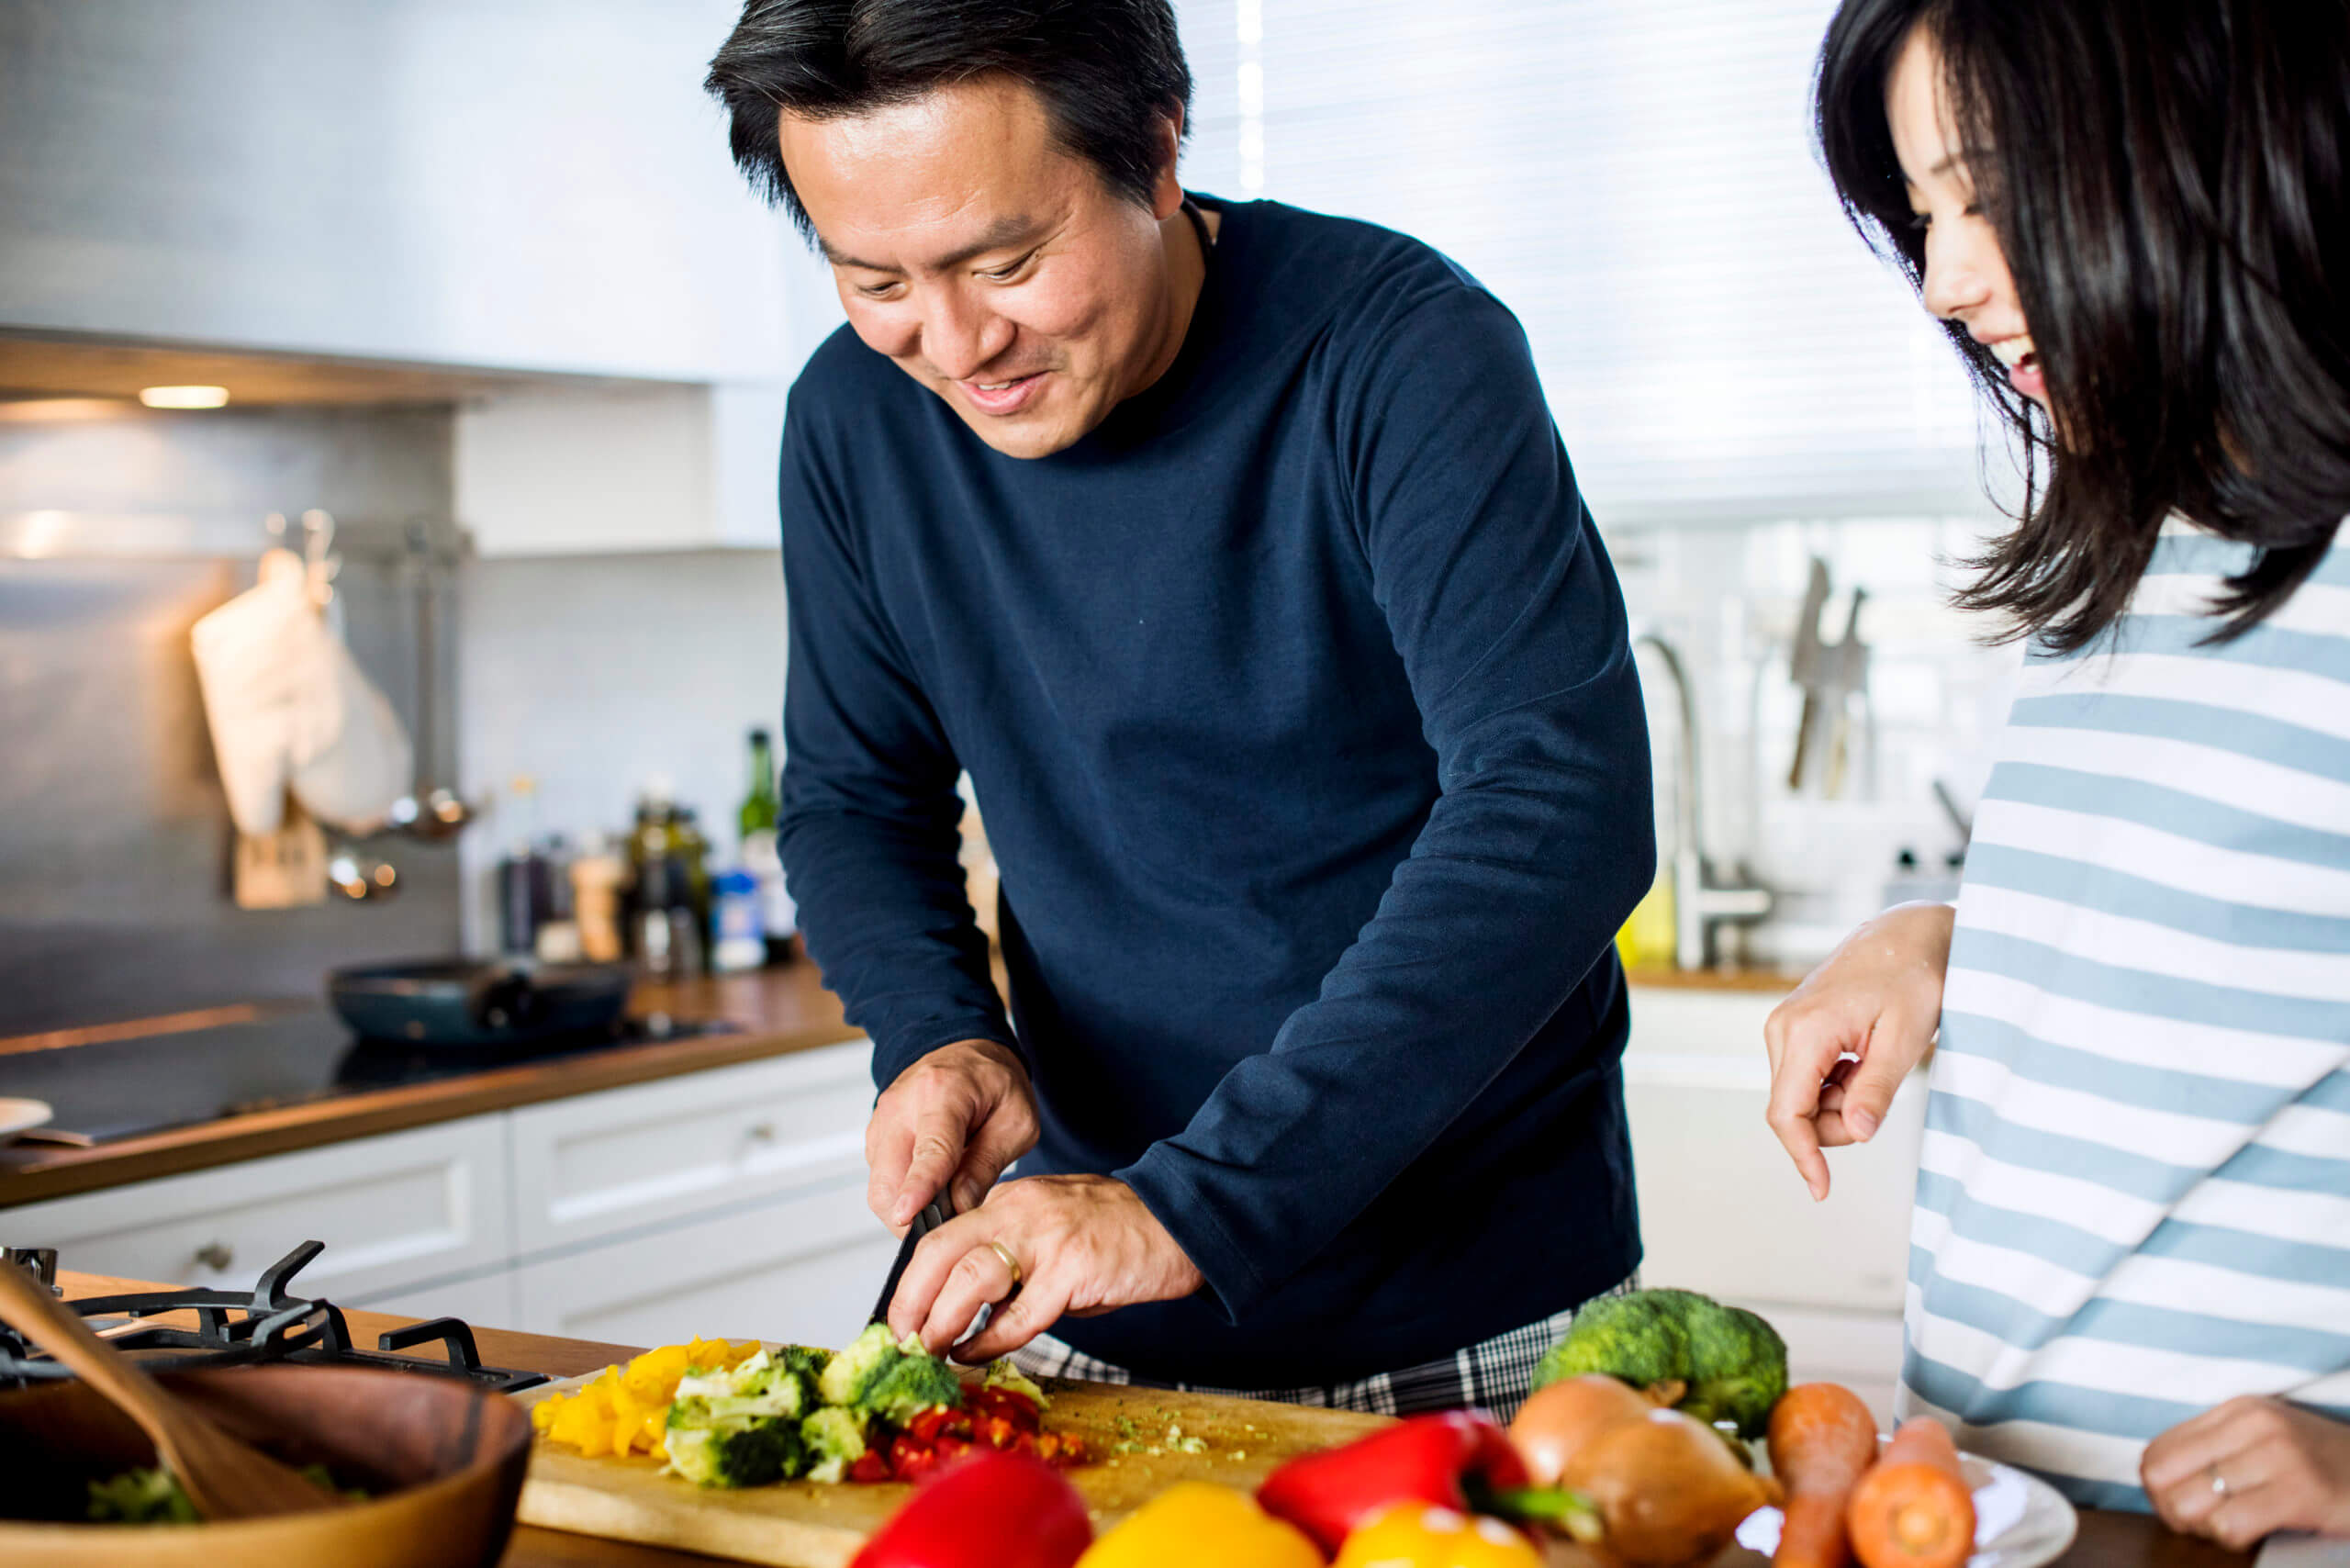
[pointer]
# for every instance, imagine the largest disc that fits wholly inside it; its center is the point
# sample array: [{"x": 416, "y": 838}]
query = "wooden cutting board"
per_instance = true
[{"x": 801, "y": 1524}]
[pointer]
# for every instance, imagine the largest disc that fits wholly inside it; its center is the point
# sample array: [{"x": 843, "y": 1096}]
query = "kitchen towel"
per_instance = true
[{"x": 289, "y": 708}]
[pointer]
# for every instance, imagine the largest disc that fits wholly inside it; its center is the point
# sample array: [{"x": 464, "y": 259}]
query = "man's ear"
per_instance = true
[{"x": 1166, "y": 191}]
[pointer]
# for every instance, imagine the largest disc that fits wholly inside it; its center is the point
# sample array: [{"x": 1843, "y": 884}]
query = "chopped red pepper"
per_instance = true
[
  {"x": 871, "y": 1467},
  {"x": 1459, "y": 1460},
  {"x": 992, "y": 1510}
]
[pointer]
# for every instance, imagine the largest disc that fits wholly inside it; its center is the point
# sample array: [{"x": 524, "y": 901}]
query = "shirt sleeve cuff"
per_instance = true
[
  {"x": 1169, "y": 1194},
  {"x": 908, "y": 1046}
]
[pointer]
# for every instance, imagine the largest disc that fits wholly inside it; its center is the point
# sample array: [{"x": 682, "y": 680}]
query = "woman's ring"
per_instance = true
[
  {"x": 2219, "y": 1482},
  {"x": 1010, "y": 1262}
]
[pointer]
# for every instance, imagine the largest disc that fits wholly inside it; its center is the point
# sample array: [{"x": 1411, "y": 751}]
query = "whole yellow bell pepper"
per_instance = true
[
  {"x": 1196, "y": 1522},
  {"x": 1415, "y": 1535}
]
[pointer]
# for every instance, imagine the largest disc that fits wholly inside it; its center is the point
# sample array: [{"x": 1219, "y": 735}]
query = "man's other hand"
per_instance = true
[
  {"x": 1041, "y": 1248},
  {"x": 957, "y": 1116}
]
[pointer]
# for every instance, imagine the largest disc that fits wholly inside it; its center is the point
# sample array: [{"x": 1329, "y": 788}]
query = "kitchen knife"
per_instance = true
[
  {"x": 930, "y": 1219},
  {"x": 1803, "y": 662}
]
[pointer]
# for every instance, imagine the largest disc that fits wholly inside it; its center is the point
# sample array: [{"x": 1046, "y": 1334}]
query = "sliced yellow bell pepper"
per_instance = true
[
  {"x": 1195, "y": 1522},
  {"x": 624, "y": 1411},
  {"x": 1416, "y": 1535}
]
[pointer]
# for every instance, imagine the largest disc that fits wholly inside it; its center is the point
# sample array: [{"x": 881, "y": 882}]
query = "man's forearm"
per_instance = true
[{"x": 885, "y": 916}]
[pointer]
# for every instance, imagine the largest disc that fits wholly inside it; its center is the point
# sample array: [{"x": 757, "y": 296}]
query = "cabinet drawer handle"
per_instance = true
[
  {"x": 215, "y": 1256},
  {"x": 760, "y": 1132}
]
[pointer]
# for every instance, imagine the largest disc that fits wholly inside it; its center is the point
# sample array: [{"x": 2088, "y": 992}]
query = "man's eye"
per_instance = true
[
  {"x": 1005, "y": 275},
  {"x": 876, "y": 290}
]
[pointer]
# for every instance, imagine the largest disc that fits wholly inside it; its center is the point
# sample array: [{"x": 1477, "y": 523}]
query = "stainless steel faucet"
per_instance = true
[{"x": 1701, "y": 901}]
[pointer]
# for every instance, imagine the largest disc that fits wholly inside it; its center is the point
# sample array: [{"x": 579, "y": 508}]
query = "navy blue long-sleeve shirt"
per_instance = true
[{"x": 1299, "y": 705}]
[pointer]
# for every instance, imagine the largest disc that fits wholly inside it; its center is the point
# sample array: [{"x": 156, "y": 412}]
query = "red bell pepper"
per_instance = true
[
  {"x": 1459, "y": 1460},
  {"x": 991, "y": 1510}
]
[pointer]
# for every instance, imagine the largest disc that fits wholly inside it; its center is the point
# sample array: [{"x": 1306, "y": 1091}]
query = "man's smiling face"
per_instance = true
[{"x": 990, "y": 263}]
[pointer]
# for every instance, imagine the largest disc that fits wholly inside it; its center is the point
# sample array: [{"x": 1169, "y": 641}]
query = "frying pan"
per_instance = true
[{"x": 460, "y": 1001}]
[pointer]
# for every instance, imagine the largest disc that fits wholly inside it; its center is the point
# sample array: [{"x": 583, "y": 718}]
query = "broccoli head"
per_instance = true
[
  {"x": 856, "y": 1368},
  {"x": 1636, "y": 1337},
  {"x": 833, "y": 1439},
  {"x": 914, "y": 1383},
  {"x": 1738, "y": 1368},
  {"x": 731, "y": 1450},
  {"x": 805, "y": 1358}
]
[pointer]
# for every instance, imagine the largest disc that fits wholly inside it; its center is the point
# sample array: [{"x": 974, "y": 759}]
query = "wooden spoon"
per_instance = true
[{"x": 224, "y": 1477}]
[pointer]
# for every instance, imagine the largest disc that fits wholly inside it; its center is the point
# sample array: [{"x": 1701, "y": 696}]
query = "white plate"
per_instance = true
[
  {"x": 21, "y": 1115},
  {"x": 2020, "y": 1521}
]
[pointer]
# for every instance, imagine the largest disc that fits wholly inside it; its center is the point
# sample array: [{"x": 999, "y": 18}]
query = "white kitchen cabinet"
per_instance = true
[
  {"x": 403, "y": 1207},
  {"x": 652, "y": 1154},
  {"x": 1721, "y": 1208},
  {"x": 625, "y": 467},
  {"x": 534, "y": 184},
  {"x": 484, "y": 1300},
  {"x": 805, "y": 1267}
]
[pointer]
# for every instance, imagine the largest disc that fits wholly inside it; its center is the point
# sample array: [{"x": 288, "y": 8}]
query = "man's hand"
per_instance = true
[
  {"x": 2243, "y": 1470},
  {"x": 1879, "y": 997},
  {"x": 959, "y": 1114},
  {"x": 1083, "y": 1245}
]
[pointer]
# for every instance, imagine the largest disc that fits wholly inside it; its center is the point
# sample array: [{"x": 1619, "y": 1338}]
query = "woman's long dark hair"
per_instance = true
[{"x": 2168, "y": 181}]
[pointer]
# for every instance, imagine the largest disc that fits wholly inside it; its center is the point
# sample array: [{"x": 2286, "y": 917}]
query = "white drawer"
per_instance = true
[
  {"x": 621, "y": 1160},
  {"x": 806, "y": 1269},
  {"x": 1723, "y": 1211},
  {"x": 392, "y": 1210},
  {"x": 484, "y": 1301}
]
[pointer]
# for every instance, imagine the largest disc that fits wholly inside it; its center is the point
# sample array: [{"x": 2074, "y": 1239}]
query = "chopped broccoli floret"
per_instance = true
[
  {"x": 762, "y": 1385},
  {"x": 1636, "y": 1338},
  {"x": 1738, "y": 1367},
  {"x": 709, "y": 1449},
  {"x": 832, "y": 1439},
  {"x": 1003, "y": 1374},
  {"x": 913, "y": 1383},
  {"x": 804, "y": 1358},
  {"x": 148, "y": 1495},
  {"x": 847, "y": 1377}
]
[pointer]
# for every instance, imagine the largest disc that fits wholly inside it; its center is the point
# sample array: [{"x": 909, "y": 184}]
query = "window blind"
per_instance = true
[{"x": 1635, "y": 179}]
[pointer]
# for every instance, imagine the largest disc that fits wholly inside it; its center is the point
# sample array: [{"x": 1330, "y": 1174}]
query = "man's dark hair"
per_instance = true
[
  {"x": 2170, "y": 184},
  {"x": 1109, "y": 72}
]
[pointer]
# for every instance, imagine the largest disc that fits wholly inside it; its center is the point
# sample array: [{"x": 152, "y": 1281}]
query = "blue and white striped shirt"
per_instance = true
[{"x": 2134, "y": 1199}]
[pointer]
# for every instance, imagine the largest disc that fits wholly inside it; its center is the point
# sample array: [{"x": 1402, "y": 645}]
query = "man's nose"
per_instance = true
[
  {"x": 1958, "y": 280},
  {"x": 959, "y": 337}
]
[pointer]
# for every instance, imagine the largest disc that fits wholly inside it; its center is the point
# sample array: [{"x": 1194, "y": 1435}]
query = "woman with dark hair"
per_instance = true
[{"x": 2130, "y": 1263}]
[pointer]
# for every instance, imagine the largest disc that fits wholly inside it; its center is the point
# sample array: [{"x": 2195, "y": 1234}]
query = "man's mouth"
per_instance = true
[{"x": 1005, "y": 395}]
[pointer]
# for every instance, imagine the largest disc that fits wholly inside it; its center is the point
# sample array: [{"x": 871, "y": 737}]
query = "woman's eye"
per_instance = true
[{"x": 1921, "y": 221}]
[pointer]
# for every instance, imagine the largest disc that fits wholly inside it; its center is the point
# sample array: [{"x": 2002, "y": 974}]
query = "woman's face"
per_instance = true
[{"x": 1966, "y": 275}]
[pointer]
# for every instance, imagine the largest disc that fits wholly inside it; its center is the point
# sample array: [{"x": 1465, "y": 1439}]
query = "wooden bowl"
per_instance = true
[{"x": 444, "y": 1459}]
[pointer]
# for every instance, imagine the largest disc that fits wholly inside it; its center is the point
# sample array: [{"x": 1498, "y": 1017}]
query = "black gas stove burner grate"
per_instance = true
[{"x": 242, "y": 1328}]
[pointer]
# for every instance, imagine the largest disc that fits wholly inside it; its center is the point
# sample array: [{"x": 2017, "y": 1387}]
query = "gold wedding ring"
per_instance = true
[{"x": 1009, "y": 1261}]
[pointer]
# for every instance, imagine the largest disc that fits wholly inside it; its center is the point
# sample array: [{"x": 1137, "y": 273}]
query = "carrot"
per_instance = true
[
  {"x": 1913, "y": 1509},
  {"x": 1822, "y": 1437}
]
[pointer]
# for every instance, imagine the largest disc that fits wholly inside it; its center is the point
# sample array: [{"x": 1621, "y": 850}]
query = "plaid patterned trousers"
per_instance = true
[{"x": 1493, "y": 1375}]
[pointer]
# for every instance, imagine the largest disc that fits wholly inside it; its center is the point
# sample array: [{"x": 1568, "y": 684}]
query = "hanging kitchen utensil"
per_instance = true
[
  {"x": 1804, "y": 667},
  {"x": 428, "y": 811}
]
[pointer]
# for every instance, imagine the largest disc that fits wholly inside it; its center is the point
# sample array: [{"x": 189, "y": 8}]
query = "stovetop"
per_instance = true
[
  {"x": 111, "y": 1089},
  {"x": 267, "y": 1323}
]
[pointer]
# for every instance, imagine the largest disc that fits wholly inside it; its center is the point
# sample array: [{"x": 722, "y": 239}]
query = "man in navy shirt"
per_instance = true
[{"x": 1233, "y": 552}]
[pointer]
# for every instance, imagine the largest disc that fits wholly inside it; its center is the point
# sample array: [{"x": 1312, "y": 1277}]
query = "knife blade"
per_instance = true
[{"x": 935, "y": 1214}]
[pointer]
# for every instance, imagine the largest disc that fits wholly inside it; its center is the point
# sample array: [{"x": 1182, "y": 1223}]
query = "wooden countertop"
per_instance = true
[
  {"x": 782, "y": 1010},
  {"x": 2106, "y": 1541},
  {"x": 1775, "y": 982}
]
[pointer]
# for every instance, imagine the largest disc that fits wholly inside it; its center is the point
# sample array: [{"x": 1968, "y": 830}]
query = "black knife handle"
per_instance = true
[{"x": 932, "y": 1215}]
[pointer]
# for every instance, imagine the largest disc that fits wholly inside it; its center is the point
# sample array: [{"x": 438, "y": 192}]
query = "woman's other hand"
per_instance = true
[
  {"x": 1878, "y": 999},
  {"x": 2243, "y": 1470}
]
